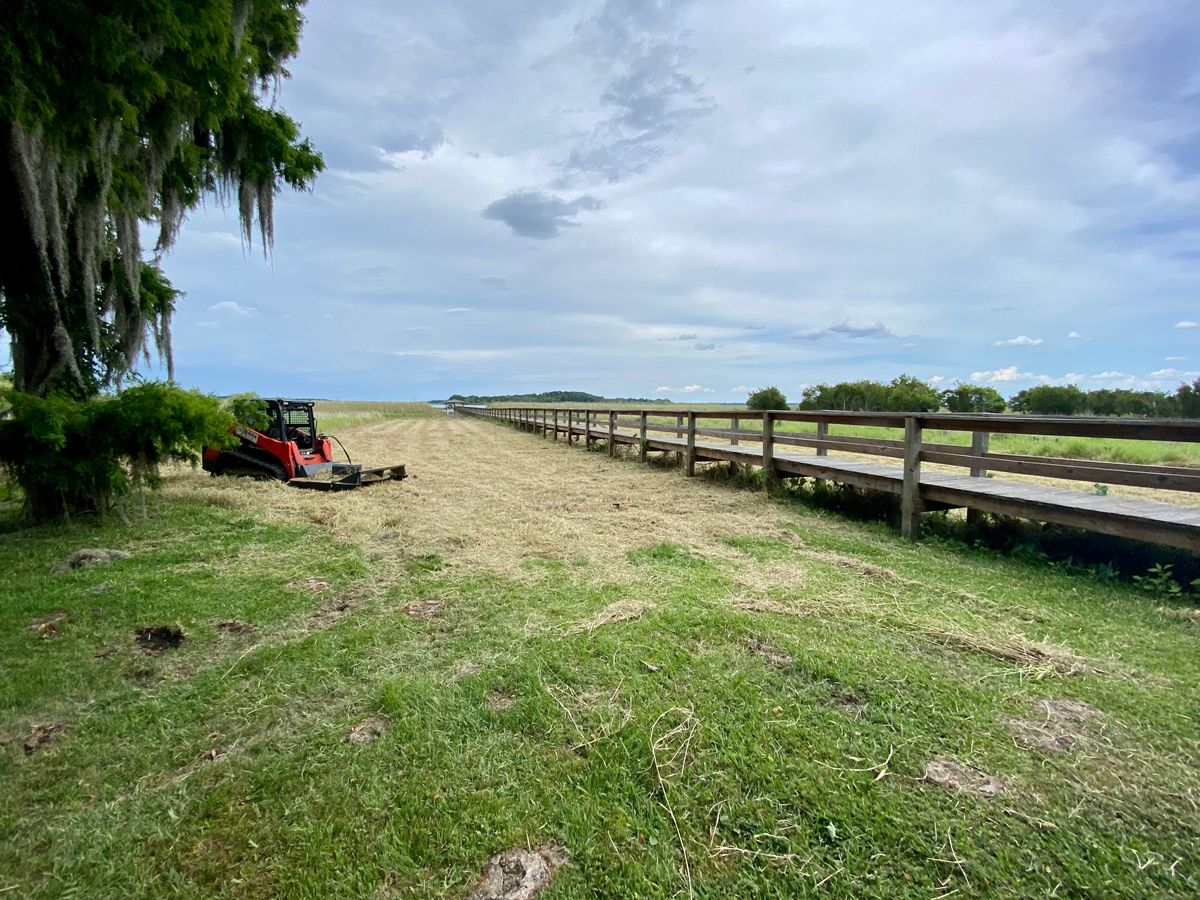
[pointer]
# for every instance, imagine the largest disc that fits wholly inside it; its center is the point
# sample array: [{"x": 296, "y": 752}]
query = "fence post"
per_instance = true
[
  {"x": 768, "y": 446},
  {"x": 734, "y": 424},
  {"x": 587, "y": 429},
  {"x": 691, "y": 443},
  {"x": 612, "y": 433},
  {"x": 822, "y": 434},
  {"x": 642, "y": 435},
  {"x": 979, "y": 447},
  {"x": 910, "y": 497},
  {"x": 556, "y": 424}
]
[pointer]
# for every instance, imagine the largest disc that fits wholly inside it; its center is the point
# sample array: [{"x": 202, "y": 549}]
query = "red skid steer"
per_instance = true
[{"x": 291, "y": 449}]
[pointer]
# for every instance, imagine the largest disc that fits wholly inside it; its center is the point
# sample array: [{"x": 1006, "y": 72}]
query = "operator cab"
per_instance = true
[{"x": 292, "y": 420}]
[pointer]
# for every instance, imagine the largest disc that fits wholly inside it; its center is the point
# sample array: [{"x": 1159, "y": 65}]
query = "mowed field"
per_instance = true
[{"x": 665, "y": 686}]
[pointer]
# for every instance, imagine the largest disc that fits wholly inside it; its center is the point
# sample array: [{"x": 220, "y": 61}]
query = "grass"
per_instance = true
[
  {"x": 688, "y": 685},
  {"x": 336, "y": 415}
]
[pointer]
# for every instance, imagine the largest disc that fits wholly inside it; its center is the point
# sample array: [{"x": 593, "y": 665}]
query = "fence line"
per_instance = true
[{"x": 696, "y": 435}]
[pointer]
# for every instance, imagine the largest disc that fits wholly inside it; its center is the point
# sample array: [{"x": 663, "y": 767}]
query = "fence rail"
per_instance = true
[{"x": 755, "y": 438}]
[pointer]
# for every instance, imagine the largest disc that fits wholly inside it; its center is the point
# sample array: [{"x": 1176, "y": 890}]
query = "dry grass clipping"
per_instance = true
[
  {"x": 1018, "y": 650},
  {"x": 621, "y": 611},
  {"x": 764, "y": 604}
]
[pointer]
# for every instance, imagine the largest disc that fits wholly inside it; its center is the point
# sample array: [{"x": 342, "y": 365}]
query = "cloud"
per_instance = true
[
  {"x": 740, "y": 389},
  {"x": 686, "y": 389},
  {"x": 457, "y": 310},
  {"x": 1076, "y": 336},
  {"x": 690, "y": 336},
  {"x": 233, "y": 308},
  {"x": 845, "y": 330},
  {"x": 207, "y": 325},
  {"x": 1172, "y": 373},
  {"x": 456, "y": 356},
  {"x": 708, "y": 345},
  {"x": 936, "y": 379},
  {"x": 496, "y": 282},
  {"x": 1010, "y": 373},
  {"x": 1020, "y": 341},
  {"x": 1176, "y": 359},
  {"x": 1185, "y": 323},
  {"x": 536, "y": 215}
]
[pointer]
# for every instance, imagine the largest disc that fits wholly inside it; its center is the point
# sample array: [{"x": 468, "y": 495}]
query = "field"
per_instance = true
[{"x": 680, "y": 686}]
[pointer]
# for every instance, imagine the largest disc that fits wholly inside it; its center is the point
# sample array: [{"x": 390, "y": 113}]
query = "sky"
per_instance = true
[{"x": 693, "y": 199}]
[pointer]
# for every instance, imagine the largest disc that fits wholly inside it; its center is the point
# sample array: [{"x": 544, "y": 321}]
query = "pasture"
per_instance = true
[{"x": 670, "y": 686}]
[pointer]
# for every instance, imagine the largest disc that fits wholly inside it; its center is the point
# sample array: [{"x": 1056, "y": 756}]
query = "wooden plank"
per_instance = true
[
  {"x": 1073, "y": 472},
  {"x": 910, "y": 497},
  {"x": 691, "y": 444}
]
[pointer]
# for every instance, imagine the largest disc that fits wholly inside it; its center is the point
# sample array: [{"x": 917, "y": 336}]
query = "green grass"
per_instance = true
[
  {"x": 335, "y": 415},
  {"x": 219, "y": 769}
]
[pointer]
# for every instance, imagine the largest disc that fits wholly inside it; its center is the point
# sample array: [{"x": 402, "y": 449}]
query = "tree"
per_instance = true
[
  {"x": 1188, "y": 400},
  {"x": 908, "y": 394},
  {"x": 973, "y": 398},
  {"x": 1050, "y": 400},
  {"x": 112, "y": 113},
  {"x": 767, "y": 398}
]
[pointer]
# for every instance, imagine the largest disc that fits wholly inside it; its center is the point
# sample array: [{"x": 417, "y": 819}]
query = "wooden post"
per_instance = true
[
  {"x": 612, "y": 433},
  {"x": 734, "y": 425},
  {"x": 556, "y": 424},
  {"x": 768, "y": 446},
  {"x": 822, "y": 434},
  {"x": 979, "y": 447},
  {"x": 691, "y": 443},
  {"x": 587, "y": 429},
  {"x": 570, "y": 427},
  {"x": 910, "y": 497},
  {"x": 642, "y": 435}
]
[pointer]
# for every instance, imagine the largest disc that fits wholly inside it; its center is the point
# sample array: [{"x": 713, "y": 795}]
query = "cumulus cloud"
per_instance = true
[
  {"x": 1186, "y": 323},
  {"x": 936, "y": 379},
  {"x": 1020, "y": 340},
  {"x": 848, "y": 331},
  {"x": 686, "y": 389},
  {"x": 1076, "y": 336},
  {"x": 233, "y": 308},
  {"x": 1173, "y": 373},
  {"x": 534, "y": 214},
  {"x": 1009, "y": 373}
]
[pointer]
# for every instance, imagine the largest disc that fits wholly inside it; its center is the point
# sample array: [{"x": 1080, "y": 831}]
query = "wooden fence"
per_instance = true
[{"x": 755, "y": 438}]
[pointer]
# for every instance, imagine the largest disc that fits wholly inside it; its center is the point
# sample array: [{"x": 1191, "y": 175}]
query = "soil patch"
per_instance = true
[
  {"x": 89, "y": 557},
  {"x": 235, "y": 626},
  {"x": 621, "y": 611},
  {"x": 367, "y": 731},
  {"x": 1069, "y": 710},
  {"x": 1040, "y": 735},
  {"x": 776, "y": 658},
  {"x": 423, "y": 609},
  {"x": 1019, "y": 650},
  {"x": 958, "y": 776},
  {"x": 157, "y": 638},
  {"x": 50, "y": 625},
  {"x": 848, "y": 702},
  {"x": 518, "y": 874},
  {"x": 1190, "y": 613},
  {"x": 42, "y": 735},
  {"x": 499, "y": 700}
]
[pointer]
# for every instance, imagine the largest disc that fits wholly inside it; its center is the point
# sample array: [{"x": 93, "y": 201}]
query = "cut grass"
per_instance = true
[
  {"x": 334, "y": 416},
  {"x": 651, "y": 743}
]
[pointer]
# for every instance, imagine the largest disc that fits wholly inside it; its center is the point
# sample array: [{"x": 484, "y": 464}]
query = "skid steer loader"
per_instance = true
[{"x": 291, "y": 449}]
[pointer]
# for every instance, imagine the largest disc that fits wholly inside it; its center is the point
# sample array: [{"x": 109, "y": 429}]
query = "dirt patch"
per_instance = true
[
  {"x": 621, "y": 611},
  {"x": 234, "y": 626},
  {"x": 368, "y": 731},
  {"x": 850, "y": 703},
  {"x": 518, "y": 874},
  {"x": 499, "y": 700},
  {"x": 1069, "y": 710},
  {"x": 89, "y": 557},
  {"x": 1018, "y": 650},
  {"x": 42, "y": 735},
  {"x": 315, "y": 585},
  {"x": 157, "y": 638},
  {"x": 776, "y": 658},
  {"x": 423, "y": 609},
  {"x": 1188, "y": 613},
  {"x": 951, "y": 773},
  {"x": 51, "y": 624},
  {"x": 1040, "y": 735}
]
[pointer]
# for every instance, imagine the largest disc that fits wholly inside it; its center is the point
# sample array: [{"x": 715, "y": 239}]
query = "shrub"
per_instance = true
[
  {"x": 767, "y": 398},
  {"x": 73, "y": 456},
  {"x": 973, "y": 398}
]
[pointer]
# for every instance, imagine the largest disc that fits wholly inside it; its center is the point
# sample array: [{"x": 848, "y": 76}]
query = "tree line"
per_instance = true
[{"x": 906, "y": 393}]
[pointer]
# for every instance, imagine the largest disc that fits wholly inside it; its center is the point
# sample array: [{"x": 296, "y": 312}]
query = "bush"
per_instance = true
[
  {"x": 73, "y": 456},
  {"x": 1051, "y": 400},
  {"x": 767, "y": 398},
  {"x": 903, "y": 394}
]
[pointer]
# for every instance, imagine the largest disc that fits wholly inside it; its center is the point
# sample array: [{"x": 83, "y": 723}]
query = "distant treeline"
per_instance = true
[
  {"x": 547, "y": 397},
  {"x": 909, "y": 394}
]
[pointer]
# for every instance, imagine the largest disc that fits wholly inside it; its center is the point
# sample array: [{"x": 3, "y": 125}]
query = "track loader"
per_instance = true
[{"x": 291, "y": 449}]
